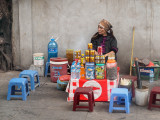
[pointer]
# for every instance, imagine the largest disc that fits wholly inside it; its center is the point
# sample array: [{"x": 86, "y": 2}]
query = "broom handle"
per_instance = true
[{"x": 132, "y": 51}]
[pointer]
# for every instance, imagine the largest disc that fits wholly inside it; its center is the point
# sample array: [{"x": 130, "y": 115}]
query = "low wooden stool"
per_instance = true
[
  {"x": 152, "y": 99},
  {"x": 84, "y": 90}
]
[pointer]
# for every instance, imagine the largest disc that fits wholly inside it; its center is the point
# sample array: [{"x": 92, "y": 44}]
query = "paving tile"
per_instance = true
[{"x": 63, "y": 114}]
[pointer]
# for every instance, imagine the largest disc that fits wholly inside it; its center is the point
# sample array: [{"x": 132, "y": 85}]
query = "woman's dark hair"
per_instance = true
[{"x": 110, "y": 32}]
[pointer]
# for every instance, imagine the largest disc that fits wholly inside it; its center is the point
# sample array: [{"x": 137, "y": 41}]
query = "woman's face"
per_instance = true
[{"x": 101, "y": 30}]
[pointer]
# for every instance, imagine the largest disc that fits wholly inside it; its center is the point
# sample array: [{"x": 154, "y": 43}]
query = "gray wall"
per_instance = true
[{"x": 75, "y": 21}]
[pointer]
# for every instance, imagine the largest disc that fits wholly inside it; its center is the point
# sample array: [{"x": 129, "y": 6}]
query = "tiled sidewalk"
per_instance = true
[{"x": 48, "y": 103}]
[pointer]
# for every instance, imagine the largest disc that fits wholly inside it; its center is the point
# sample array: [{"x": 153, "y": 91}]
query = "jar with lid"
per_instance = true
[
  {"x": 97, "y": 59},
  {"x": 102, "y": 59},
  {"x": 69, "y": 55},
  {"x": 92, "y": 53},
  {"x": 87, "y": 59},
  {"x": 111, "y": 70},
  {"x": 91, "y": 59},
  {"x": 90, "y": 46},
  {"x": 86, "y": 52}
]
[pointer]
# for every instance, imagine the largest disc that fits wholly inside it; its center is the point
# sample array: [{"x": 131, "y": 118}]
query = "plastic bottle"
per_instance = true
[
  {"x": 82, "y": 72},
  {"x": 151, "y": 75},
  {"x": 73, "y": 70},
  {"x": 78, "y": 70},
  {"x": 52, "y": 49}
]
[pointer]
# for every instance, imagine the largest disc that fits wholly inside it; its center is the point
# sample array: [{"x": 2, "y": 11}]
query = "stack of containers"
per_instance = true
[
  {"x": 112, "y": 80},
  {"x": 100, "y": 67},
  {"x": 78, "y": 54},
  {"x": 90, "y": 62},
  {"x": 111, "y": 67}
]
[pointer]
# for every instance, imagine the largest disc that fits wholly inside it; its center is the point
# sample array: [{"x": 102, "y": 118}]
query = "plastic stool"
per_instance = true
[
  {"x": 47, "y": 68},
  {"x": 119, "y": 92},
  {"x": 120, "y": 100},
  {"x": 84, "y": 90},
  {"x": 152, "y": 99},
  {"x": 31, "y": 74},
  {"x": 20, "y": 82}
]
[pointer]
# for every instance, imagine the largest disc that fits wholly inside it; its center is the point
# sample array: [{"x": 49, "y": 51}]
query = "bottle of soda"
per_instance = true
[
  {"x": 73, "y": 70},
  {"x": 151, "y": 79},
  {"x": 52, "y": 49},
  {"x": 78, "y": 70},
  {"x": 82, "y": 72}
]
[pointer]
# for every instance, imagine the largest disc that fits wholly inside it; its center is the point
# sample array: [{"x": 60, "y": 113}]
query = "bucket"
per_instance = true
[
  {"x": 38, "y": 59},
  {"x": 141, "y": 96},
  {"x": 58, "y": 67}
]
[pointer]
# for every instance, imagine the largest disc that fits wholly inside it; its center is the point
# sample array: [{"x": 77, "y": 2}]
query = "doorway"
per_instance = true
[{"x": 5, "y": 35}]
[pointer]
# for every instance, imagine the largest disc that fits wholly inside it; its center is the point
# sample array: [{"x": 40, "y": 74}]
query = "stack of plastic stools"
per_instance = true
[
  {"x": 22, "y": 83},
  {"x": 119, "y": 92},
  {"x": 84, "y": 90},
  {"x": 153, "y": 99},
  {"x": 46, "y": 69},
  {"x": 120, "y": 100},
  {"x": 31, "y": 74}
]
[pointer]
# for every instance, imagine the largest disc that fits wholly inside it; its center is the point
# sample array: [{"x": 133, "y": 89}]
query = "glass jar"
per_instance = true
[
  {"x": 91, "y": 59},
  {"x": 87, "y": 52},
  {"x": 90, "y": 46},
  {"x": 69, "y": 55}
]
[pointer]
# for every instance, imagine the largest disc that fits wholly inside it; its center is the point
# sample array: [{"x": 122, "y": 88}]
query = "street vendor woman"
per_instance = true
[{"x": 105, "y": 38}]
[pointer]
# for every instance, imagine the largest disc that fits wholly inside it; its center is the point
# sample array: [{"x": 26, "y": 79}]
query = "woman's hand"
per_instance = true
[
  {"x": 96, "y": 53},
  {"x": 106, "y": 55}
]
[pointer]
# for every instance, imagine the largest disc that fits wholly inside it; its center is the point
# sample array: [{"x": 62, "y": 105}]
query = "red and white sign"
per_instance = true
[{"x": 101, "y": 88}]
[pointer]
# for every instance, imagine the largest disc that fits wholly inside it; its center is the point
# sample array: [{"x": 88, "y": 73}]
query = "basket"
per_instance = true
[
  {"x": 145, "y": 72},
  {"x": 61, "y": 85}
]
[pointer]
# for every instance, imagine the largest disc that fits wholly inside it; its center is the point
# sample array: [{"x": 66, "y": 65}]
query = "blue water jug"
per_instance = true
[{"x": 52, "y": 49}]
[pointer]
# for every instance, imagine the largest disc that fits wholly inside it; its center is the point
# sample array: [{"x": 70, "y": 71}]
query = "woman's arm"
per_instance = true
[
  {"x": 109, "y": 53},
  {"x": 113, "y": 48},
  {"x": 114, "y": 45}
]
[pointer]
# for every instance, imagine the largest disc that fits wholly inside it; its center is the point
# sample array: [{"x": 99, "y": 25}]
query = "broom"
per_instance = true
[{"x": 132, "y": 51}]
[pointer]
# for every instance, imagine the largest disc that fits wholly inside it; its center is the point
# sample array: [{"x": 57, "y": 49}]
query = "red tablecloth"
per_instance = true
[{"x": 102, "y": 88}]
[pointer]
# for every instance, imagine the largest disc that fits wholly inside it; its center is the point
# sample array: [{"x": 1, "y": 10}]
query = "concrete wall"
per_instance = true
[{"x": 75, "y": 21}]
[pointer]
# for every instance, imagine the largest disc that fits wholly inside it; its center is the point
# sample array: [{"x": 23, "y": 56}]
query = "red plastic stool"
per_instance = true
[
  {"x": 133, "y": 78},
  {"x": 84, "y": 90},
  {"x": 152, "y": 99}
]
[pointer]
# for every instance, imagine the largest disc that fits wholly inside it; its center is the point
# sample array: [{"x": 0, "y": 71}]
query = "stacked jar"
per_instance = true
[
  {"x": 90, "y": 62},
  {"x": 78, "y": 54},
  {"x": 100, "y": 67},
  {"x": 90, "y": 54},
  {"x": 100, "y": 59}
]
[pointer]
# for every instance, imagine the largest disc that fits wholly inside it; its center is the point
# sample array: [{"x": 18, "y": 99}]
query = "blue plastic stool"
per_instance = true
[
  {"x": 119, "y": 92},
  {"x": 121, "y": 101},
  {"x": 31, "y": 74},
  {"x": 19, "y": 82},
  {"x": 46, "y": 68}
]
